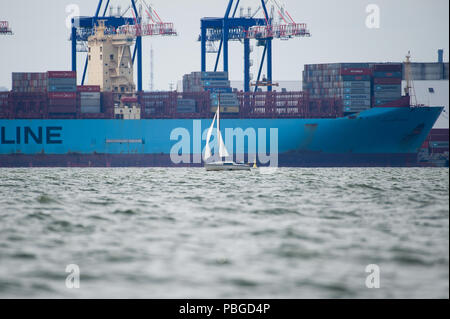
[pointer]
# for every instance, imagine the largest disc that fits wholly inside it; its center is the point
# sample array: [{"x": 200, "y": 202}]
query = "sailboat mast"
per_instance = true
[{"x": 219, "y": 137}]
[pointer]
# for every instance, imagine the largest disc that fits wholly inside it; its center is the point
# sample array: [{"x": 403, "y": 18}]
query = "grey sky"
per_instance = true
[{"x": 338, "y": 32}]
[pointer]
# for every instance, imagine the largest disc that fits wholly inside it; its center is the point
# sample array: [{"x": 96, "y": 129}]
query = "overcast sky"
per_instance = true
[{"x": 339, "y": 34}]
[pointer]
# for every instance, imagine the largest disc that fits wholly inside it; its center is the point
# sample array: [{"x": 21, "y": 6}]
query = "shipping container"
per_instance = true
[
  {"x": 356, "y": 96},
  {"x": 88, "y": 88},
  {"x": 226, "y": 109},
  {"x": 29, "y": 82},
  {"x": 186, "y": 102},
  {"x": 393, "y": 81},
  {"x": 439, "y": 147},
  {"x": 89, "y": 95},
  {"x": 355, "y": 78},
  {"x": 186, "y": 109},
  {"x": 28, "y": 76},
  {"x": 225, "y": 103},
  {"x": 90, "y": 109},
  {"x": 378, "y": 102},
  {"x": 387, "y": 75},
  {"x": 62, "y": 95},
  {"x": 61, "y": 74},
  {"x": 223, "y": 95},
  {"x": 215, "y": 84},
  {"x": 62, "y": 81},
  {"x": 224, "y": 98},
  {"x": 387, "y": 95},
  {"x": 365, "y": 90},
  {"x": 356, "y": 84},
  {"x": 62, "y": 88},
  {"x": 383, "y": 87},
  {"x": 90, "y": 103},
  {"x": 357, "y": 102},
  {"x": 219, "y": 90},
  {"x": 356, "y": 71},
  {"x": 388, "y": 67},
  {"x": 214, "y": 75},
  {"x": 352, "y": 65}
]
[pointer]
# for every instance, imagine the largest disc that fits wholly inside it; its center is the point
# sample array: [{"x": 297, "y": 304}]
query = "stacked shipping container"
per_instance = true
[
  {"x": 172, "y": 104},
  {"x": 186, "y": 105},
  {"x": 29, "y": 82},
  {"x": 359, "y": 85},
  {"x": 90, "y": 99},
  {"x": 387, "y": 83},
  {"x": 435, "y": 149},
  {"x": 4, "y": 105},
  {"x": 347, "y": 81},
  {"x": 433, "y": 71},
  {"x": 218, "y": 85},
  {"x": 62, "y": 96},
  {"x": 356, "y": 82},
  {"x": 28, "y": 105},
  {"x": 207, "y": 81}
]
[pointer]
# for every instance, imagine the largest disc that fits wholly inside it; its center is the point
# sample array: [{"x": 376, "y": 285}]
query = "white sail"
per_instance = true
[
  {"x": 223, "y": 152},
  {"x": 208, "y": 138}
]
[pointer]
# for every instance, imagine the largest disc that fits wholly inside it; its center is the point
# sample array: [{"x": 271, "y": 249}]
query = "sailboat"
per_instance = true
[{"x": 223, "y": 152}]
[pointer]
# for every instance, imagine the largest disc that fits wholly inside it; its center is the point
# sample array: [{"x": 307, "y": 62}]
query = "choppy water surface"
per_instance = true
[{"x": 177, "y": 233}]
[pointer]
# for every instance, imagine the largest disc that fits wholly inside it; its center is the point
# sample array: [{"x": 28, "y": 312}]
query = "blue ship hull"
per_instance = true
[{"x": 376, "y": 137}]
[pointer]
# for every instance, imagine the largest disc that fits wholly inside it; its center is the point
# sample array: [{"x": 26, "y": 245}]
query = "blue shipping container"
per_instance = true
[
  {"x": 387, "y": 74},
  {"x": 356, "y": 96},
  {"x": 379, "y": 87},
  {"x": 62, "y": 88},
  {"x": 355, "y": 78},
  {"x": 388, "y": 95},
  {"x": 219, "y": 90},
  {"x": 357, "y": 84},
  {"x": 364, "y": 90},
  {"x": 357, "y": 102}
]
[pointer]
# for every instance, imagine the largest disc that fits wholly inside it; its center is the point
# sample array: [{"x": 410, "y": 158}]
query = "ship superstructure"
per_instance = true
[{"x": 110, "y": 62}]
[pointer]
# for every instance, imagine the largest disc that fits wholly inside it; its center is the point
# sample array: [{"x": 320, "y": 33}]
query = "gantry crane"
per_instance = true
[
  {"x": 244, "y": 29},
  {"x": 84, "y": 27},
  {"x": 4, "y": 28}
]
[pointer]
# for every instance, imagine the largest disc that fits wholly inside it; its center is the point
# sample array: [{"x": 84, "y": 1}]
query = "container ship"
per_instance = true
[{"x": 347, "y": 115}]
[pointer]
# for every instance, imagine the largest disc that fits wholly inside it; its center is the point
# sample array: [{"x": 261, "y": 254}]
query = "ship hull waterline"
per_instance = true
[{"x": 379, "y": 137}]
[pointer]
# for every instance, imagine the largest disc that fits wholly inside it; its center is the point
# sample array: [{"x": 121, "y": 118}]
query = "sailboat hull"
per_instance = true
[{"x": 221, "y": 166}]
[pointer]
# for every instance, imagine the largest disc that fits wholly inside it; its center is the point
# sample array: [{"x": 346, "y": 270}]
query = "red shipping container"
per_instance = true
[
  {"x": 356, "y": 71},
  {"x": 61, "y": 74},
  {"x": 88, "y": 88},
  {"x": 404, "y": 101},
  {"x": 62, "y": 95},
  {"x": 387, "y": 81}
]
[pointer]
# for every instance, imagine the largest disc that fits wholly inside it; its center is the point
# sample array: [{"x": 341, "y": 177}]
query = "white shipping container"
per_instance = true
[
  {"x": 90, "y": 109},
  {"x": 90, "y": 95}
]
